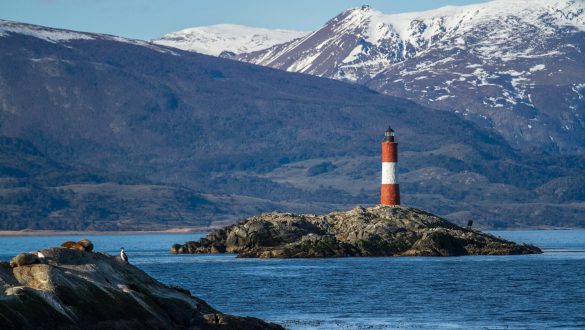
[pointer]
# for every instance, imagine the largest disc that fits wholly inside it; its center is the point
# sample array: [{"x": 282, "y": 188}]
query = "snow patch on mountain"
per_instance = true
[
  {"x": 54, "y": 35},
  {"x": 215, "y": 39},
  {"x": 40, "y": 32}
]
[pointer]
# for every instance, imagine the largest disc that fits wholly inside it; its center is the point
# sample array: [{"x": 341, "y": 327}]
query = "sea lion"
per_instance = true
[
  {"x": 87, "y": 244},
  {"x": 73, "y": 245}
]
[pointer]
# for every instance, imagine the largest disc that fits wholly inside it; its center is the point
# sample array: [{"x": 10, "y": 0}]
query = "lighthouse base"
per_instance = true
[{"x": 390, "y": 194}]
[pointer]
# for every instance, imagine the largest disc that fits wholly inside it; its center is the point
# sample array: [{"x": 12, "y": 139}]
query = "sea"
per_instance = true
[{"x": 473, "y": 292}]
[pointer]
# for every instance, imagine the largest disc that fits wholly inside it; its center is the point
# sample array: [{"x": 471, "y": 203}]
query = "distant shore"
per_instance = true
[
  {"x": 28, "y": 232},
  {"x": 189, "y": 230}
]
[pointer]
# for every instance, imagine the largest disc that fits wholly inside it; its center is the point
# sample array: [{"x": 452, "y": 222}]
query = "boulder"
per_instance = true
[
  {"x": 374, "y": 231},
  {"x": 176, "y": 248}
]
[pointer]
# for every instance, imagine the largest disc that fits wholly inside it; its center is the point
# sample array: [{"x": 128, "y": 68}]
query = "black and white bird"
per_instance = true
[{"x": 123, "y": 255}]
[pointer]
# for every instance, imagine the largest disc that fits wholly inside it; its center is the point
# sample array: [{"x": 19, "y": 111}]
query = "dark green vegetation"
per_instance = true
[
  {"x": 133, "y": 136},
  {"x": 377, "y": 231},
  {"x": 73, "y": 289}
]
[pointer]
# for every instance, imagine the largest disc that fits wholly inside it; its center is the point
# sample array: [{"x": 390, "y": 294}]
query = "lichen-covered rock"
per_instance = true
[
  {"x": 375, "y": 231},
  {"x": 23, "y": 259},
  {"x": 76, "y": 289}
]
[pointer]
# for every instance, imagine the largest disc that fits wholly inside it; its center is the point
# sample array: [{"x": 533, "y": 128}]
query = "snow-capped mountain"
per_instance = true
[
  {"x": 229, "y": 38},
  {"x": 514, "y": 65}
]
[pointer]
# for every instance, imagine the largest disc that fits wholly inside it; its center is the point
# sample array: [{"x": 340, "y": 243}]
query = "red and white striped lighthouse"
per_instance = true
[{"x": 390, "y": 192}]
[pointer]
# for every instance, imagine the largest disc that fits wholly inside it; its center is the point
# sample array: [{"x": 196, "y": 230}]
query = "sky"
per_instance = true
[{"x": 148, "y": 19}]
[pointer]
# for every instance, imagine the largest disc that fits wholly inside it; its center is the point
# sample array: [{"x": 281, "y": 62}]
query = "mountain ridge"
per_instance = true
[{"x": 226, "y": 39}]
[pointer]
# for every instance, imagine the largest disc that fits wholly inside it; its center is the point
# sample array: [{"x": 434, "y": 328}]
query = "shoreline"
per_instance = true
[
  {"x": 188, "y": 230},
  {"x": 29, "y": 232}
]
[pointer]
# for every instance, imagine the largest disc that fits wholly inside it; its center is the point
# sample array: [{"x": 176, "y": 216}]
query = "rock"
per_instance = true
[
  {"x": 87, "y": 244},
  {"x": 76, "y": 289},
  {"x": 176, "y": 248},
  {"x": 438, "y": 243},
  {"x": 23, "y": 259},
  {"x": 375, "y": 231}
]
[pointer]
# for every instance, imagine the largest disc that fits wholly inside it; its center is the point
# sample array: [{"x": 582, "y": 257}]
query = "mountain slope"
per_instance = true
[
  {"x": 247, "y": 139},
  {"x": 37, "y": 192},
  {"x": 515, "y": 66},
  {"x": 226, "y": 38}
]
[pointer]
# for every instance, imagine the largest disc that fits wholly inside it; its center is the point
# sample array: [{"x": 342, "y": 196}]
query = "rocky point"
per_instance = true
[{"x": 75, "y": 288}]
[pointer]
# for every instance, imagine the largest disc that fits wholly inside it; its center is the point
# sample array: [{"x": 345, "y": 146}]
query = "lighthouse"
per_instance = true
[{"x": 389, "y": 192}]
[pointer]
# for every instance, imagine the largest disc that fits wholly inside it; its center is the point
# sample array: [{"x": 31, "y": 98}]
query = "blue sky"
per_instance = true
[{"x": 147, "y": 19}]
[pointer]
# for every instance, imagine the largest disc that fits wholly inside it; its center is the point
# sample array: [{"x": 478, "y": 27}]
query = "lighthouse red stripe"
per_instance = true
[
  {"x": 390, "y": 194},
  {"x": 389, "y": 152}
]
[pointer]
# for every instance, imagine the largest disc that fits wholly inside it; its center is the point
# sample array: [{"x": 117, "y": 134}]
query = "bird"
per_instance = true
[
  {"x": 40, "y": 255},
  {"x": 123, "y": 255}
]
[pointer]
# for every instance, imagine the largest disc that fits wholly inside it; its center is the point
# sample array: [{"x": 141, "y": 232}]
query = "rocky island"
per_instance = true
[
  {"x": 76, "y": 288},
  {"x": 374, "y": 231}
]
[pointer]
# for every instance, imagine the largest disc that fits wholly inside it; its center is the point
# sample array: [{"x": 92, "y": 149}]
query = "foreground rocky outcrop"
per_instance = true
[
  {"x": 376, "y": 231},
  {"x": 68, "y": 288}
]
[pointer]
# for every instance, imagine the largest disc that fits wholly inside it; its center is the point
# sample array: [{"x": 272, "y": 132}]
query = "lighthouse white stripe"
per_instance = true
[{"x": 389, "y": 173}]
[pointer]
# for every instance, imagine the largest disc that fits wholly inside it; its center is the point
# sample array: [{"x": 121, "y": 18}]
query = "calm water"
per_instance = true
[{"x": 510, "y": 292}]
